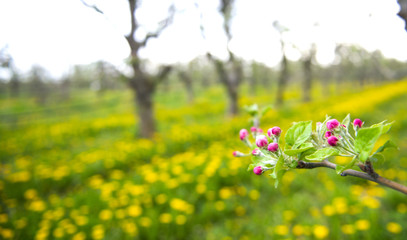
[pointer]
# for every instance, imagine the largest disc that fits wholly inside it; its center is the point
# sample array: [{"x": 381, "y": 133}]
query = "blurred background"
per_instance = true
[{"x": 118, "y": 119}]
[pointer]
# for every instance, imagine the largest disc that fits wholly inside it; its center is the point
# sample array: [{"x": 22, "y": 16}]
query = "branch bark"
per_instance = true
[{"x": 350, "y": 172}]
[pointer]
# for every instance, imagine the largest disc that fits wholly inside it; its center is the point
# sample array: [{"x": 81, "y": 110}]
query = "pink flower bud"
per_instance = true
[
  {"x": 253, "y": 129},
  {"x": 332, "y": 140},
  {"x": 272, "y": 147},
  {"x": 261, "y": 141},
  {"x": 357, "y": 122},
  {"x": 256, "y": 152},
  {"x": 257, "y": 170},
  {"x": 259, "y": 130},
  {"x": 243, "y": 134},
  {"x": 328, "y": 134},
  {"x": 331, "y": 124},
  {"x": 276, "y": 131}
]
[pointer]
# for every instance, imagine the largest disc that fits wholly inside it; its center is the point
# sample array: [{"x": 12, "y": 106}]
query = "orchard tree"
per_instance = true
[
  {"x": 142, "y": 83},
  {"x": 230, "y": 72},
  {"x": 284, "y": 71}
]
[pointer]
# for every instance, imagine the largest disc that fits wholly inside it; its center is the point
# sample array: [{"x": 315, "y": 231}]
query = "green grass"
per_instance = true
[{"x": 73, "y": 170}]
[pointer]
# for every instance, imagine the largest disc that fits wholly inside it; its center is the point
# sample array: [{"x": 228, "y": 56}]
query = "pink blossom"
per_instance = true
[
  {"x": 357, "y": 122},
  {"x": 257, "y": 170},
  {"x": 243, "y": 134},
  {"x": 256, "y": 152},
  {"x": 259, "y": 130},
  {"x": 276, "y": 131},
  {"x": 331, "y": 124},
  {"x": 333, "y": 141},
  {"x": 328, "y": 134},
  {"x": 272, "y": 147},
  {"x": 261, "y": 141},
  {"x": 253, "y": 129}
]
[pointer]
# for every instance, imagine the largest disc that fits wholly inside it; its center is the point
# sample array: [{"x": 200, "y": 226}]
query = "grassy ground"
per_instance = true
[{"x": 73, "y": 170}]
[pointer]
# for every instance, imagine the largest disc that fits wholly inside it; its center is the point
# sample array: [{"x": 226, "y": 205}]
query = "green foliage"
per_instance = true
[
  {"x": 298, "y": 134},
  {"x": 322, "y": 154}
]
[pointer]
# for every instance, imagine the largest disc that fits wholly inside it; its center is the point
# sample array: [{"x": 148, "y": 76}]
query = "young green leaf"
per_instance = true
[
  {"x": 377, "y": 157},
  {"x": 339, "y": 169},
  {"x": 252, "y": 109},
  {"x": 278, "y": 171},
  {"x": 298, "y": 134},
  {"x": 303, "y": 148},
  {"x": 365, "y": 141},
  {"x": 388, "y": 144},
  {"x": 322, "y": 154},
  {"x": 346, "y": 121}
]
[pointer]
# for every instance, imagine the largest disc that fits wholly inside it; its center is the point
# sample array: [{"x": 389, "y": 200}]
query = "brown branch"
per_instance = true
[{"x": 350, "y": 172}]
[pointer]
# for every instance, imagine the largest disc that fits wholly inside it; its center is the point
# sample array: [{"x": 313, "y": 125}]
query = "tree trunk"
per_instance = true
[
  {"x": 307, "y": 64},
  {"x": 187, "y": 81},
  {"x": 145, "y": 109},
  {"x": 233, "y": 108},
  {"x": 282, "y": 81}
]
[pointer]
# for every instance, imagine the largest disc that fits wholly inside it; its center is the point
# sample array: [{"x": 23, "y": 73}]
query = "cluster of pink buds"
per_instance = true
[{"x": 266, "y": 144}]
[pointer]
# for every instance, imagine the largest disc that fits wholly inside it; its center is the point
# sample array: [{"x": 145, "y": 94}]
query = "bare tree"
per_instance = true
[
  {"x": 143, "y": 83},
  {"x": 230, "y": 72},
  {"x": 403, "y": 11},
  {"x": 307, "y": 61},
  {"x": 284, "y": 71}
]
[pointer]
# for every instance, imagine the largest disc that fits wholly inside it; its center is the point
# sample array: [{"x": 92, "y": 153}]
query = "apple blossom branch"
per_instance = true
[{"x": 350, "y": 172}]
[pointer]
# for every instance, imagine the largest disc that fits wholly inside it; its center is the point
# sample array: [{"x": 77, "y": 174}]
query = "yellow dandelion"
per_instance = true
[
  {"x": 134, "y": 210},
  {"x": 240, "y": 211},
  {"x": 58, "y": 232},
  {"x": 394, "y": 227},
  {"x": 21, "y": 223},
  {"x": 288, "y": 215},
  {"x": 105, "y": 214},
  {"x": 3, "y": 218},
  {"x": 320, "y": 231},
  {"x": 225, "y": 193},
  {"x": 81, "y": 220},
  {"x": 371, "y": 202},
  {"x": 120, "y": 213},
  {"x": 254, "y": 194},
  {"x": 219, "y": 205},
  {"x": 165, "y": 218},
  {"x": 281, "y": 230},
  {"x": 200, "y": 188},
  {"x": 37, "y": 206},
  {"x": 180, "y": 219},
  {"x": 362, "y": 224},
  {"x": 328, "y": 210},
  {"x": 145, "y": 222},
  {"x": 130, "y": 228},
  {"x": 30, "y": 194},
  {"x": 98, "y": 232},
  {"x": 7, "y": 233},
  {"x": 402, "y": 208},
  {"x": 79, "y": 236},
  {"x": 298, "y": 230},
  {"x": 348, "y": 229}
]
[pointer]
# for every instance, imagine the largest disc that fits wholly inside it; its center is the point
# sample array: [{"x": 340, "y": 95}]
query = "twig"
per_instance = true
[{"x": 350, "y": 172}]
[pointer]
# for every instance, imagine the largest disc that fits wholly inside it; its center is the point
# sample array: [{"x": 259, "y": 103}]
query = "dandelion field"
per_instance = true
[{"x": 76, "y": 171}]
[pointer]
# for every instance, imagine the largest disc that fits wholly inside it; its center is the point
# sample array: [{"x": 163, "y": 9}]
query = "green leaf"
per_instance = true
[
  {"x": 386, "y": 126},
  {"x": 303, "y": 148},
  {"x": 278, "y": 171},
  {"x": 322, "y": 154},
  {"x": 388, "y": 144},
  {"x": 365, "y": 141},
  {"x": 346, "y": 121},
  {"x": 377, "y": 157},
  {"x": 298, "y": 134},
  {"x": 252, "y": 109}
]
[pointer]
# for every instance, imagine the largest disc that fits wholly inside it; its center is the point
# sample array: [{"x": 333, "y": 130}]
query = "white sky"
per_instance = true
[{"x": 58, "y": 34}]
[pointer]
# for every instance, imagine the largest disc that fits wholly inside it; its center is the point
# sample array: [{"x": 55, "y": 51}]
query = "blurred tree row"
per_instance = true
[{"x": 352, "y": 64}]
